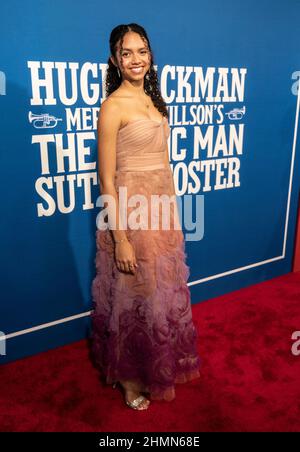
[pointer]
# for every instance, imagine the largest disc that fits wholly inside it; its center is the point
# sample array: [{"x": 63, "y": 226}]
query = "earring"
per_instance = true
[{"x": 118, "y": 72}]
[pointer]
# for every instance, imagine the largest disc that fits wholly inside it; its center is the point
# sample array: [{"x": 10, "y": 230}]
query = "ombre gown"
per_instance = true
[{"x": 142, "y": 326}]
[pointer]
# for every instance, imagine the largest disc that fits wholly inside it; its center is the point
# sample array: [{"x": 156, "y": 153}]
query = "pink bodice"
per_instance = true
[{"x": 141, "y": 145}]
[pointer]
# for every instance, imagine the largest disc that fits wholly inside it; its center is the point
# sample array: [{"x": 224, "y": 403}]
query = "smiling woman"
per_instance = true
[{"x": 143, "y": 333}]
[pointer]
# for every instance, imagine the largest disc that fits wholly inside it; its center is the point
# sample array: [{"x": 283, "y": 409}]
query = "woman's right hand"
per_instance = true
[{"x": 125, "y": 257}]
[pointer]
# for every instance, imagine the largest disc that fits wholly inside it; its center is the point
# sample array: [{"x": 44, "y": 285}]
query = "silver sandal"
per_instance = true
[{"x": 137, "y": 402}]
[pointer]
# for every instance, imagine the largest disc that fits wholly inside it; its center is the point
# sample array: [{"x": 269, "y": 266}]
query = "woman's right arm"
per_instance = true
[
  {"x": 108, "y": 125},
  {"x": 109, "y": 122}
]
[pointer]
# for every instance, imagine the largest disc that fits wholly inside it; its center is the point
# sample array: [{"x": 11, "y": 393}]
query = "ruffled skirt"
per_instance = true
[{"x": 142, "y": 326}]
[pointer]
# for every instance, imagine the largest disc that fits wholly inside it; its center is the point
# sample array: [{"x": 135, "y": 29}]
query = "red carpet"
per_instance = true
[{"x": 250, "y": 379}]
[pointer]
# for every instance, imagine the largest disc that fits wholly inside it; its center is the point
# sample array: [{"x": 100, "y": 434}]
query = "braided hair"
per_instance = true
[{"x": 113, "y": 80}]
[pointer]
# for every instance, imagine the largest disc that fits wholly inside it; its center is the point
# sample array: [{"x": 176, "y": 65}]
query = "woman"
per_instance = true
[{"x": 143, "y": 336}]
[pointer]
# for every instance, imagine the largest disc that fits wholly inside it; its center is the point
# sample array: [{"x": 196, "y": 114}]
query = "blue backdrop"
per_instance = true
[{"x": 229, "y": 74}]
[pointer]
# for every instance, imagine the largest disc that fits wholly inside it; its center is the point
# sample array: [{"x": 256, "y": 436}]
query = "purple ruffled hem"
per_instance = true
[{"x": 142, "y": 324}]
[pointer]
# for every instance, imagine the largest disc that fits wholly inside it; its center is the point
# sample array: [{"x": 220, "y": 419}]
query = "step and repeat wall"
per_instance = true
[{"x": 229, "y": 74}]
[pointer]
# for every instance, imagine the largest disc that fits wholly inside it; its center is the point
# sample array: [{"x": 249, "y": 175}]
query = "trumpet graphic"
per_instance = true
[
  {"x": 236, "y": 113},
  {"x": 44, "y": 121}
]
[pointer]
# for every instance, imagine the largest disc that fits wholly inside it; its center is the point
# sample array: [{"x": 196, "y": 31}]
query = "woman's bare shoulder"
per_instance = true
[
  {"x": 119, "y": 93},
  {"x": 117, "y": 103},
  {"x": 116, "y": 100},
  {"x": 110, "y": 105}
]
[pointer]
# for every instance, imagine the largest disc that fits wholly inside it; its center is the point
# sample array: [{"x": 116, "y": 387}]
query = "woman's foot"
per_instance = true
[{"x": 133, "y": 396}]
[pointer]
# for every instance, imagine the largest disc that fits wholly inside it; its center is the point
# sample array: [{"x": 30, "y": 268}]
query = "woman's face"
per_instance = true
[{"x": 134, "y": 58}]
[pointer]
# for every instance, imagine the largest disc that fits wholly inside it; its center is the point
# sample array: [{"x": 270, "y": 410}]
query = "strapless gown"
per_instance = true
[{"x": 142, "y": 326}]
